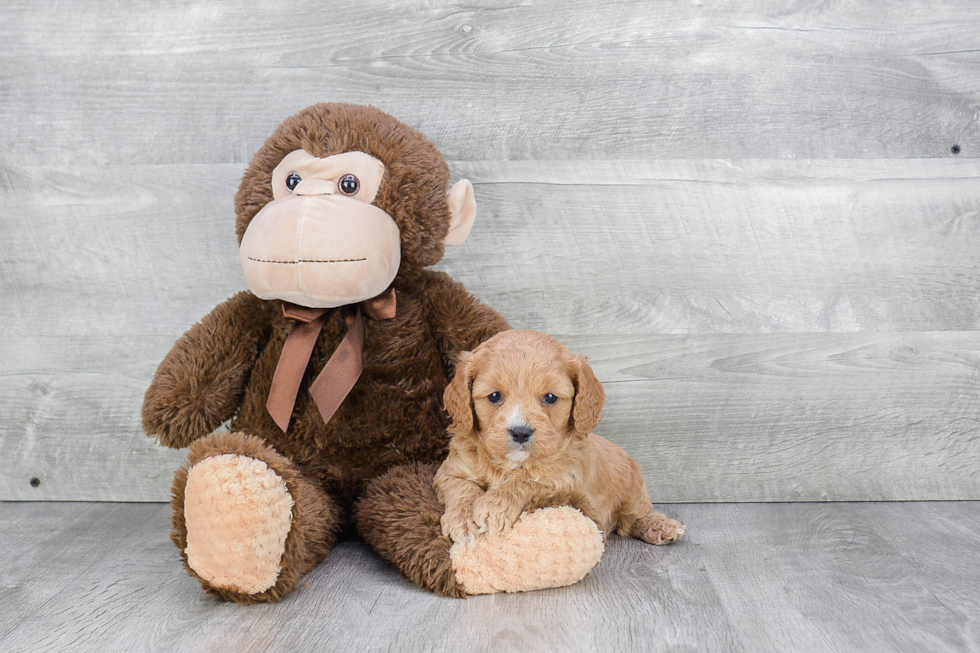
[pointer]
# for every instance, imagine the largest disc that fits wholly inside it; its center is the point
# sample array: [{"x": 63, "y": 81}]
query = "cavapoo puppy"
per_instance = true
[{"x": 523, "y": 409}]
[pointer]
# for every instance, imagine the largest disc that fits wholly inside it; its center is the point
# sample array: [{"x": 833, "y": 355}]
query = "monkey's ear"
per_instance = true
[{"x": 462, "y": 208}]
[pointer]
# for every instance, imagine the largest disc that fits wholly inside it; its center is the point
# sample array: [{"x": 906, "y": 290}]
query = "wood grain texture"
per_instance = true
[
  {"x": 795, "y": 417},
  {"x": 726, "y": 246},
  {"x": 703, "y": 303},
  {"x": 709, "y": 418},
  {"x": 837, "y": 577},
  {"x": 194, "y": 81},
  {"x": 747, "y": 577},
  {"x": 562, "y": 247}
]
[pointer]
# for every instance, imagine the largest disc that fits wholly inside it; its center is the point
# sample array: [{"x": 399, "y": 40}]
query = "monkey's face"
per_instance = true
[
  {"x": 320, "y": 242},
  {"x": 343, "y": 201}
]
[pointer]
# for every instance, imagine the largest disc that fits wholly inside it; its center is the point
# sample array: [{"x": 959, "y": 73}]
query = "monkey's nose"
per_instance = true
[
  {"x": 310, "y": 187},
  {"x": 521, "y": 434}
]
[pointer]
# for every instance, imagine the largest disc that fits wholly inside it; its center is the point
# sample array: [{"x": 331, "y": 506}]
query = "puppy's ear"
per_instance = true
[
  {"x": 589, "y": 396},
  {"x": 459, "y": 394}
]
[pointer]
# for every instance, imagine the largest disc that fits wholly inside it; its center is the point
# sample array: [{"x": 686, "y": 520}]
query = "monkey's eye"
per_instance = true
[
  {"x": 495, "y": 397},
  {"x": 348, "y": 185},
  {"x": 550, "y": 398},
  {"x": 292, "y": 181}
]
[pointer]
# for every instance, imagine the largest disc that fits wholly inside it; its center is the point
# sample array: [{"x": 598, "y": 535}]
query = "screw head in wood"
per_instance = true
[{"x": 35, "y": 481}]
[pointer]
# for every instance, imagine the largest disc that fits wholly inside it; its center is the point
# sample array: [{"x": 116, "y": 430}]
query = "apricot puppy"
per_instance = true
[{"x": 523, "y": 408}]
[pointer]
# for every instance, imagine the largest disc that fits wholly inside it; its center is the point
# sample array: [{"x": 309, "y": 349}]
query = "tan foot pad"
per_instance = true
[
  {"x": 551, "y": 547},
  {"x": 238, "y": 513}
]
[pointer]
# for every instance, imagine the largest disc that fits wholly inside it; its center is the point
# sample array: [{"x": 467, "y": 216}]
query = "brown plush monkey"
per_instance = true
[{"x": 332, "y": 371}]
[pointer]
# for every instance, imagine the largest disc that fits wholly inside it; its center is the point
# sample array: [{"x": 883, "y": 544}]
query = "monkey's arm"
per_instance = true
[
  {"x": 459, "y": 321},
  {"x": 200, "y": 383}
]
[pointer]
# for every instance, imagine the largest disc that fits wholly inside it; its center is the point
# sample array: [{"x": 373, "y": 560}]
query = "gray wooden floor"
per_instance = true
[{"x": 748, "y": 577}]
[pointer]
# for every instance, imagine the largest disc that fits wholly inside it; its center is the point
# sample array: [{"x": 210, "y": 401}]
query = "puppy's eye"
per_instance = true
[
  {"x": 550, "y": 398},
  {"x": 495, "y": 397},
  {"x": 292, "y": 181},
  {"x": 348, "y": 185}
]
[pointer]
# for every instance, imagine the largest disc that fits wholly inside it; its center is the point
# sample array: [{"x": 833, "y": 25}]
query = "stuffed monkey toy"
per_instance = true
[{"x": 331, "y": 369}]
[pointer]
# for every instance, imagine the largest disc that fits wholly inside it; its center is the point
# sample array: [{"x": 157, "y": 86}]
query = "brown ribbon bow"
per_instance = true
[{"x": 341, "y": 372}]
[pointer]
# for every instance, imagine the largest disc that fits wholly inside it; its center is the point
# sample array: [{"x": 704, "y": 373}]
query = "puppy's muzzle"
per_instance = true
[{"x": 521, "y": 434}]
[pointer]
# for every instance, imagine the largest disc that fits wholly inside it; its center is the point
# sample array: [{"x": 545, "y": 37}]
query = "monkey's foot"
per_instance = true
[
  {"x": 247, "y": 522},
  {"x": 238, "y": 514},
  {"x": 551, "y": 547}
]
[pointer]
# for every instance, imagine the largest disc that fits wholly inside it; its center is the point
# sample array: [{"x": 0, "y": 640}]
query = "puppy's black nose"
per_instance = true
[{"x": 521, "y": 434}]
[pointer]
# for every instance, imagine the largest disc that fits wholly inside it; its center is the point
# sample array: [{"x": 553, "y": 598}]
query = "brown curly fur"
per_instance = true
[
  {"x": 399, "y": 517},
  {"x": 222, "y": 368},
  {"x": 485, "y": 489}
]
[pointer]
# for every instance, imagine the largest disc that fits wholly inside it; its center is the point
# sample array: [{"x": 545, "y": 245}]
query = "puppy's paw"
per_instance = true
[
  {"x": 459, "y": 526},
  {"x": 495, "y": 513},
  {"x": 660, "y": 530}
]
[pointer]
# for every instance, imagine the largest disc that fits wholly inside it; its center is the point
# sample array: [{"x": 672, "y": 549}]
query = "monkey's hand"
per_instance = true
[{"x": 200, "y": 383}]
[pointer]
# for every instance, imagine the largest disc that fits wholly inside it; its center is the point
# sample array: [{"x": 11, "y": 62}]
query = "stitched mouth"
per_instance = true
[{"x": 309, "y": 260}]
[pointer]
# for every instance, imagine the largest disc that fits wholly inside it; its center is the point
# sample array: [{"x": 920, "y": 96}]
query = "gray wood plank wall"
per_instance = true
[{"x": 749, "y": 215}]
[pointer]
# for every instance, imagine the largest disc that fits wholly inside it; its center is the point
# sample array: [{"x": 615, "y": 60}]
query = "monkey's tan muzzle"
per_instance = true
[{"x": 320, "y": 249}]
